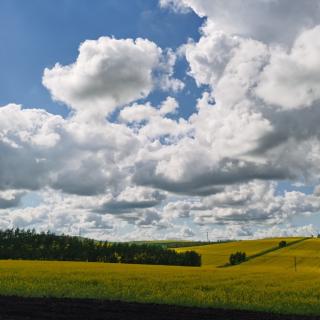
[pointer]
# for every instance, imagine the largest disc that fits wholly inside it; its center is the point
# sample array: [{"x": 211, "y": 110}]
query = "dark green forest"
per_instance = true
[{"x": 29, "y": 245}]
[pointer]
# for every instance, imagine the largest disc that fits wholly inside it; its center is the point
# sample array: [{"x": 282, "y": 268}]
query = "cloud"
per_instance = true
[
  {"x": 109, "y": 73},
  {"x": 148, "y": 218},
  {"x": 152, "y": 123},
  {"x": 257, "y": 101},
  {"x": 287, "y": 231},
  {"x": 138, "y": 113},
  {"x": 176, "y": 5},
  {"x": 181, "y": 208},
  {"x": 146, "y": 112},
  {"x": 209, "y": 57},
  {"x": 187, "y": 232},
  {"x": 254, "y": 202},
  {"x": 10, "y": 199},
  {"x": 25, "y": 136},
  {"x": 266, "y": 20},
  {"x": 211, "y": 181},
  {"x": 39, "y": 150},
  {"x": 126, "y": 206},
  {"x": 291, "y": 80},
  {"x": 130, "y": 200},
  {"x": 60, "y": 213}
]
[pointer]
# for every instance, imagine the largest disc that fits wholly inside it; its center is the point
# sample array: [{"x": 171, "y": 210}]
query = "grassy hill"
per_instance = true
[
  {"x": 218, "y": 254},
  {"x": 305, "y": 254}
]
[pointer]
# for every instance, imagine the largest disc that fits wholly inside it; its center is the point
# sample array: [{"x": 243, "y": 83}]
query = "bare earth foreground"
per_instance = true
[{"x": 16, "y": 308}]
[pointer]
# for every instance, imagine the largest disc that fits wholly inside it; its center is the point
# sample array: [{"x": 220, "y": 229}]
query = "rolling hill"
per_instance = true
[
  {"x": 305, "y": 254},
  {"x": 218, "y": 254}
]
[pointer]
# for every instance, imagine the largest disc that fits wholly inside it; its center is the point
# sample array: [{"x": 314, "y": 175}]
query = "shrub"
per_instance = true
[
  {"x": 238, "y": 257},
  {"x": 282, "y": 244}
]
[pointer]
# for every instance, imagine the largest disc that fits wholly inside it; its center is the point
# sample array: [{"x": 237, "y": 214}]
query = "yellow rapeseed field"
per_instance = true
[
  {"x": 218, "y": 254},
  {"x": 305, "y": 255},
  {"x": 269, "y": 286}
]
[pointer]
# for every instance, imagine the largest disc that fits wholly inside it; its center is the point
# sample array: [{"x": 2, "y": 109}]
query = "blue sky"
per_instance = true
[
  {"x": 45, "y": 32},
  {"x": 208, "y": 124}
]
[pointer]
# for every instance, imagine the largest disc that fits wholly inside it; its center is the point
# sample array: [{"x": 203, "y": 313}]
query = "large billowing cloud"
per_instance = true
[
  {"x": 109, "y": 73},
  {"x": 265, "y": 20},
  {"x": 291, "y": 80},
  {"x": 147, "y": 171},
  {"x": 40, "y": 150}
]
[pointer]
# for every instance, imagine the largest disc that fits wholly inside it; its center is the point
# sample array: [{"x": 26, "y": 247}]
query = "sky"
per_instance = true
[{"x": 160, "y": 119}]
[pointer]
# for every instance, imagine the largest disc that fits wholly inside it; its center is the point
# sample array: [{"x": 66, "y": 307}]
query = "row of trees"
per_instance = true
[{"x": 21, "y": 244}]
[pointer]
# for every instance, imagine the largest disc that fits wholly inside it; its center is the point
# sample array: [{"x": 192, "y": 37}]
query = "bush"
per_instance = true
[
  {"x": 282, "y": 244},
  {"x": 238, "y": 257}
]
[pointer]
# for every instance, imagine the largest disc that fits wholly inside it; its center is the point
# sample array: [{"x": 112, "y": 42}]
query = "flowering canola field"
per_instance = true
[
  {"x": 218, "y": 254},
  {"x": 265, "y": 283},
  {"x": 305, "y": 255}
]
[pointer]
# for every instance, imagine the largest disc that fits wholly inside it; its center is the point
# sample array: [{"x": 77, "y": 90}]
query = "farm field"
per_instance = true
[
  {"x": 253, "y": 285},
  {"x": 218, "y": 254},
  {"x": 305, "y": 254}
]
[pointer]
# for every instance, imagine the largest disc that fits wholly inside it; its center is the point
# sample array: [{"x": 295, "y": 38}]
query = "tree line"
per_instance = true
[{"x": 29, "y": 245}]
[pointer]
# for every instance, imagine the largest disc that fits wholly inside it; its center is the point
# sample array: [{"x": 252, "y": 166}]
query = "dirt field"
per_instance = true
[{"x": 16, "y": 308}]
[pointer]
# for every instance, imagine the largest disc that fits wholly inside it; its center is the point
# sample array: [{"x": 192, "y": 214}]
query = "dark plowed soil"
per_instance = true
[{"x": 16, "y": 308}]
